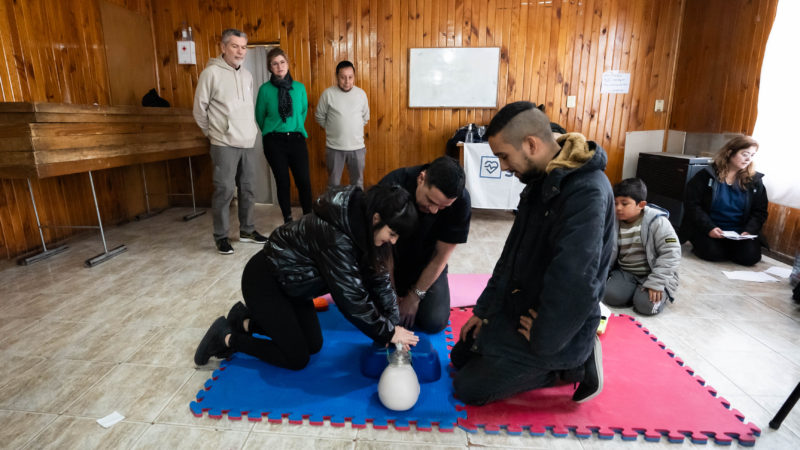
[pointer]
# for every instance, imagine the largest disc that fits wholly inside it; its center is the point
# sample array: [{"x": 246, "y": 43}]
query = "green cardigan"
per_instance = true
[{"x": 267, "y": 116}]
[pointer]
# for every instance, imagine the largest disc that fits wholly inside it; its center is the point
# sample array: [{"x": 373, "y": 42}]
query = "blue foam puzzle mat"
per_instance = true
[
  {"x": 424, "y": 360},
  {"x": 330, "y": 387}
]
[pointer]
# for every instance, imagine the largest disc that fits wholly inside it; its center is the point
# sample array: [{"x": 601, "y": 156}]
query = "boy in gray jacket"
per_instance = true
[{"x": 645, "y": 268}]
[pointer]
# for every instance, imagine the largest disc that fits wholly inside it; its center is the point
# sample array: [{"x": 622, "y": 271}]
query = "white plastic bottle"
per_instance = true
[{"x": 398, "y": 387}]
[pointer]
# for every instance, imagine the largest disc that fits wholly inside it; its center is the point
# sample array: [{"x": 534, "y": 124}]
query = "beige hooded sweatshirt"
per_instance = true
[{"x": 223, "y": 105}]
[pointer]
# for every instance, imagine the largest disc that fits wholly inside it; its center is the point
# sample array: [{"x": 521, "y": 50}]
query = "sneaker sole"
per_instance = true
[
  {"x": 598, "y": 362},
  {"x": 251, "y": 241},
  {"x": 225, "y": 253}
]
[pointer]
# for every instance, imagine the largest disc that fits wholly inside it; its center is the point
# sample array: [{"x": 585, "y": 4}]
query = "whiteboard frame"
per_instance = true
[{"x": 464, "y": 60}]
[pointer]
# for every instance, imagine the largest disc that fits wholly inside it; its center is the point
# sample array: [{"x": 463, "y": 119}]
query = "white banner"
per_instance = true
[{"x": 488, "y": 186}]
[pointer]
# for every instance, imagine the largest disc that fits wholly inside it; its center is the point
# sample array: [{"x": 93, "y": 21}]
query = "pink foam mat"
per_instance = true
[
  {"x": 647, "y": 390},
  {"x": 465, "y": 288}
]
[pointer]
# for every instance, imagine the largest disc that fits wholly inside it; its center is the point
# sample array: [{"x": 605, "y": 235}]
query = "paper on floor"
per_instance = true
[
  {"x": 759, "y": 277},
  {"x": 783, "y": 272},
  {"x": 110, "y": 420}
]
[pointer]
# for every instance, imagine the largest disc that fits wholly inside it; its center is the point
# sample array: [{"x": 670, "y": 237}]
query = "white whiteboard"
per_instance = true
[{"x": 453, "y": 77}]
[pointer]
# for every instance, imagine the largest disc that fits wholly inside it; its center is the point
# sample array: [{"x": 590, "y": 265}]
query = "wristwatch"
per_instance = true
[{"x": 420, "y": 294}]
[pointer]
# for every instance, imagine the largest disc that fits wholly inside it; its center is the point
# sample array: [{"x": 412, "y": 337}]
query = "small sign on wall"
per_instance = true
[
  {"x": 615, "y": 82},
  {"x": 186, "y": 54}
]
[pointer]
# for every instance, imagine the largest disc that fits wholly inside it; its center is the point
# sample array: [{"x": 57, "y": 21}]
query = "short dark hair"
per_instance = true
[
  {"x": 343, "y": 65},
  {"x": 633, "y": 188},
  {"x": 447, "y": 175},
  {"x": 517, "y": 120}
]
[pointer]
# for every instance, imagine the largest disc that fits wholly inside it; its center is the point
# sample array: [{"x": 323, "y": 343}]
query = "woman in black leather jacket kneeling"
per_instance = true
[{"x": 342, "y": 247}]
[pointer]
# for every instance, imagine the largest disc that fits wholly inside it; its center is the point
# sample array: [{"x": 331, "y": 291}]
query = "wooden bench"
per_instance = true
[{"x": 41, "y": 140}]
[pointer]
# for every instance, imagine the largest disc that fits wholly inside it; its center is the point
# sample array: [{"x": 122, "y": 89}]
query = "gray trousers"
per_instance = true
[
  {"x": 335, "y": 160},
  {"x": 232, "y": 166},
  {"x": 624, "y": 288}
]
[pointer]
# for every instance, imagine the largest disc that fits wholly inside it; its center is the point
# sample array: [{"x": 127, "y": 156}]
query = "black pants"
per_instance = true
[
  {"x": 291, "y": 323},
  {"x": 745, "y": 252},
  {"x": 434, "y": 310},
  {"x": 285, "y": 151},
  {"x": 483, "y": 379}
]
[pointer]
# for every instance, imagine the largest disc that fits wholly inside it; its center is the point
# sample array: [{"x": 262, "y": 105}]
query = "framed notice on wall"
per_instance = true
[{"x": 453, "y": 77}]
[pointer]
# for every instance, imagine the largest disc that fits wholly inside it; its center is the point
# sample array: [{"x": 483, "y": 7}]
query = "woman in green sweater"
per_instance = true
[{"x": 281, "y": 110}]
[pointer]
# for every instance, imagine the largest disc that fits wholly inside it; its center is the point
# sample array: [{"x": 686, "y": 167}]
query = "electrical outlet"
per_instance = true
[
  {"x": 571, "y": 101},
  {"x": 659, "y": 106}
]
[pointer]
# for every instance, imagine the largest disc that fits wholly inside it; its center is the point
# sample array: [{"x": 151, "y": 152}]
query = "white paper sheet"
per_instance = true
[
  {"x": 759, "y": 277},
  {"x": 736, "y": 236},
  {"x": 783, "y": 272},
  {"x": 110, "y": 420}
]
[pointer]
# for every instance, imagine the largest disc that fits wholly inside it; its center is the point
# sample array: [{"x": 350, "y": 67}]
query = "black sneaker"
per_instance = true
[
  {"x": 592, "y": 383},
  {"x": 224, "y": 247},
  {"x": 237, "y": 315},
  {"x": 255, "y": 237},
  {"x": 213, "y": 343}
]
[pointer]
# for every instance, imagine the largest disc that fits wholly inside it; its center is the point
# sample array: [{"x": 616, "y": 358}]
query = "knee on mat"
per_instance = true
[
  {"x": 297, "y": 362},
  {"x": 430, "y": 325},
  {"x": 315, "y": 348},
  {"x": 615, "y": 301},
  {"x": 645, "y": 310},
  {"x": 468, "y": 391}
]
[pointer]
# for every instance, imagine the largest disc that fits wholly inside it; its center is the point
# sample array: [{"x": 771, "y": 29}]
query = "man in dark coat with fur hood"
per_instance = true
[{"x": 536, "y": 321}]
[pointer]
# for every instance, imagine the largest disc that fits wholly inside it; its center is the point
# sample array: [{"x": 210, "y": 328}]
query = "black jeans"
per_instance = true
[
  {"x": 434, "y": 310},
  {"x": 285, "y": 151},
  {"x": 482, "y": 379},
  {"x": 745, "y": 252},
  {"x": 291, "y": 323}
]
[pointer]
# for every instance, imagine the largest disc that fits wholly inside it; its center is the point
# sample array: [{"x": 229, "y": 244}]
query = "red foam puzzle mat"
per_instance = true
[{"x": 647, "y": 390}]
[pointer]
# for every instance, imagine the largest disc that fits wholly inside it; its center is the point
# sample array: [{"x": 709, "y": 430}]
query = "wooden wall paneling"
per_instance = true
[
  {"x": 782, "y": 229},
  {"x": 10, "y": 86},
  {"x": 608, "y": 102},
  {"x": 9, "y": 213},
  {"x": 613, "y": 126},
  {"x": 716, "y": 87},
  {"x": 131, "y": 61},
  {"x": 5, "y": 220},
  {"x": 404, "y": 113}
]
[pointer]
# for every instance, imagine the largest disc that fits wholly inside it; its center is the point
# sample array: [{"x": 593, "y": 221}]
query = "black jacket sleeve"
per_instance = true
[
  {"x": 338, "y": 264},
  {"x": 758, "y": 207},
  {"x": 697, "y": 219}
]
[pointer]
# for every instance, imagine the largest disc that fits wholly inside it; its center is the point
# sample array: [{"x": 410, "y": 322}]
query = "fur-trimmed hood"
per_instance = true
[{"x": 575, "y": 152}]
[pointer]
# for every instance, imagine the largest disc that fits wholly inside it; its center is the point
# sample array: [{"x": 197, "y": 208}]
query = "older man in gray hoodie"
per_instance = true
[{"x": 224, "y": 110}]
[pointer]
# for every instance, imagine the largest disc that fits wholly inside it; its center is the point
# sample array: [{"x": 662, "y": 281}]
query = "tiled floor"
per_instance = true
[{"x": 78, "y": 343}]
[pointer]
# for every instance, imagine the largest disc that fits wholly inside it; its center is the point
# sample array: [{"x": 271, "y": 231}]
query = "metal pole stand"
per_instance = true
[
  {"x": 149, "y": 213},
  {"x": 776, "y": 422},
  {"x": 107, "y": 254},
  {"x": 45, "y": 252},
  {"x": 195, "y": 213}
]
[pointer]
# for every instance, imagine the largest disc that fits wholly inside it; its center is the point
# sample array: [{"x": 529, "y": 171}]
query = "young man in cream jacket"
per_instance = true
[
  {"x": 224, "y": 111},
  {"x": 343, "y": 111}
]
